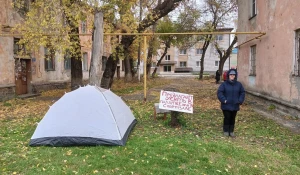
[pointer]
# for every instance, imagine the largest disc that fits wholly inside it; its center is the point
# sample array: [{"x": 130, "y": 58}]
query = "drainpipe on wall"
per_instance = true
[{"x": 230, "y": 51}]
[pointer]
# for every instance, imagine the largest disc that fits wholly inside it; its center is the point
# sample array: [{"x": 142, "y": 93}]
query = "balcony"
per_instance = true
[{"x": 183, "y": 69}]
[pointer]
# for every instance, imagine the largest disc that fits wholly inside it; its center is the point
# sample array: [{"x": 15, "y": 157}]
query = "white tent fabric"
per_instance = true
[{"x": 89, "y": 115}]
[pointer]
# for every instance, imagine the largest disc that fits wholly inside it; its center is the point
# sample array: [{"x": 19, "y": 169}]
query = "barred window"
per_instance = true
[
  {"x": 253, "y": 60},
  {"x": 85, "y": 61},
  {"x": 297, "y": 54},
  {"x": 83, "y": 27},
  {"x": 49, "y": 59}
]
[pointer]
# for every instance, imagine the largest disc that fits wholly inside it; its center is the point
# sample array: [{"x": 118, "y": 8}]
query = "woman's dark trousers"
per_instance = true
[{"x": 229, "y": 121}]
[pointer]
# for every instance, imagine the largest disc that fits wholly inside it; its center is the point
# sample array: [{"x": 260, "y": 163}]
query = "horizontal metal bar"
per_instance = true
[{"x": 144, "y": 34}]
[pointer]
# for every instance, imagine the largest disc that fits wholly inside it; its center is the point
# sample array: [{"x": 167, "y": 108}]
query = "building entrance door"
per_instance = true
[{"x": 22, "y": 75}]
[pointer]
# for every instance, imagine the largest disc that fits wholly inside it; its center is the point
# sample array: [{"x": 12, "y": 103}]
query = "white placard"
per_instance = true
[{"x": 176, "y": 101}]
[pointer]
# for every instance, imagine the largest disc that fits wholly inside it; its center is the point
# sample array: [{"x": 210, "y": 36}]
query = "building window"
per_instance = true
[
  {"x": 253, "y": 60},
  {"x": 297, "y": 54},
  {"x": 217, "y": 63},
  {"x": 199, "y": 51},
  {"x": 49, "y": 59},
  {"x": 197, "y": 63},
  {"x": 123, "y": 65},
  {"x": 153, "y": 64},
  {"x": 67, "y": 60},
  {"x": 83, "y": 27},
  {"x": 85, "y": 61},
  {"x": 183, "y": 64},
  {"x": 219, "y": 37},
  {"x": 167, "y": 68},
  {"x": 104, "y": 61},
  {"x": 21, "y": 6},
  {"x": 182, "y": 52},
  {"x": 168, "y": 57},
  {"x": 17, "y": 47},
  {"x": 253, "y": 8}
]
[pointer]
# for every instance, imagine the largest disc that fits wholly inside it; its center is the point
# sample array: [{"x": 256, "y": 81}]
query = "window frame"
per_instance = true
[
  {"x": 296, "y": 71},
  {"x": 49, "y": 55},
  {"x": 253, "y": 9},
  {"x": 83, "y": 27},
  {"x": 182, "y": 64},
  {"x": 168, "y": 57},
  {"x": 153, "y": 64},
  {"x": 197, "y": 63},
  {"x": 167, "y": 67},
  {"x": 252, "y": 64},
  {"x": 182, "y": 51},
  {"x": 218, "y": 63},
  {"x": 85, "y": 66},
  {"x": 200, "y": 51},
  {"x": 219, "y": 37},
  {"x": 67, "y": 61}
]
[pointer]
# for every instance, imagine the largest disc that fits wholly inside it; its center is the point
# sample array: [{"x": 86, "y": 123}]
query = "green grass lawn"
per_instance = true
[{"x": 198, "y": 147}]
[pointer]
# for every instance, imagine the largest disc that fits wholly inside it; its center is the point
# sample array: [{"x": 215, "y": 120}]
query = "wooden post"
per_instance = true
[{"x": 145, "y": 69}]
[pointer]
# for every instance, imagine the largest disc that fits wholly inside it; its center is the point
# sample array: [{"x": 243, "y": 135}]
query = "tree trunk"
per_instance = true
[
  {"x": 133, "y": 70},
  {"x": 76, "y": 58},
  {"x": 109, "y": 72},
  {"x": 97, "y": 51},
  {"x": 221, "y": 67},
  {"x": 114, "y": 68},
  {"x": 128, "y": 74},
  {"x": 223, "y": 57},
  {"x": 159, "y": 61},
  {"x": 118, "y": 72},
  {"x": 174, "y": 119},
  {"x": 205, "y": 46},
  {"x": 149, "y": 55}
]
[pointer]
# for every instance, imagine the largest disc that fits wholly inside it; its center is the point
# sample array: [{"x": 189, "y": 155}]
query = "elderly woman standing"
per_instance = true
[{"x": 231, "y": 94}]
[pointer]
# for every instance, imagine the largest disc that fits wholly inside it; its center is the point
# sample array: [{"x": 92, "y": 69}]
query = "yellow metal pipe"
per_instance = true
[
  {"x": 146, "y": 34},
  {"x": 257, "y": 37},
  {"x": 145, "y": 68}
]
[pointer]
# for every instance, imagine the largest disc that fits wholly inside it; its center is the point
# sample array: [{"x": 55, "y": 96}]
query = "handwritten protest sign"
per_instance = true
[{"x": 176, "y": 101}]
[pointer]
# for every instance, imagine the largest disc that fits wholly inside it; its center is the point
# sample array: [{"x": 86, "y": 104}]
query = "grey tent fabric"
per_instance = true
[{"x": 89, "y": 115}]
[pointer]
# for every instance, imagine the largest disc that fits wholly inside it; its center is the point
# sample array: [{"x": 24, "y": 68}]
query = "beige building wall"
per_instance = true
[
  {"x": 37, "y": 75},
  {"x": 8, "y": 19},
  {"x": 164, "y": 62},
  {"x": 275, "y": 52}
]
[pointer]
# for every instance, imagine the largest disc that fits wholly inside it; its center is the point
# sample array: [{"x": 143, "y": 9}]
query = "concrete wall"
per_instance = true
[{"x": 275, "y": 52}]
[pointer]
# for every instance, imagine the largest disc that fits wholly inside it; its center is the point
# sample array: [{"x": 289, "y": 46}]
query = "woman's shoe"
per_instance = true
[
  {"x": 232, "y": 134},
  {"x": 226, "y": 134}
]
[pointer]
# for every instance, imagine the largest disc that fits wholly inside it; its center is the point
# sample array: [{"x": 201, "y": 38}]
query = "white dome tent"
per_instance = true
[{"x": 89, "y": 115}]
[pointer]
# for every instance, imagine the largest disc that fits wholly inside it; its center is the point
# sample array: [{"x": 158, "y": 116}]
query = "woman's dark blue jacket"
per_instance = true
[{"x": 233, "y": 93}]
